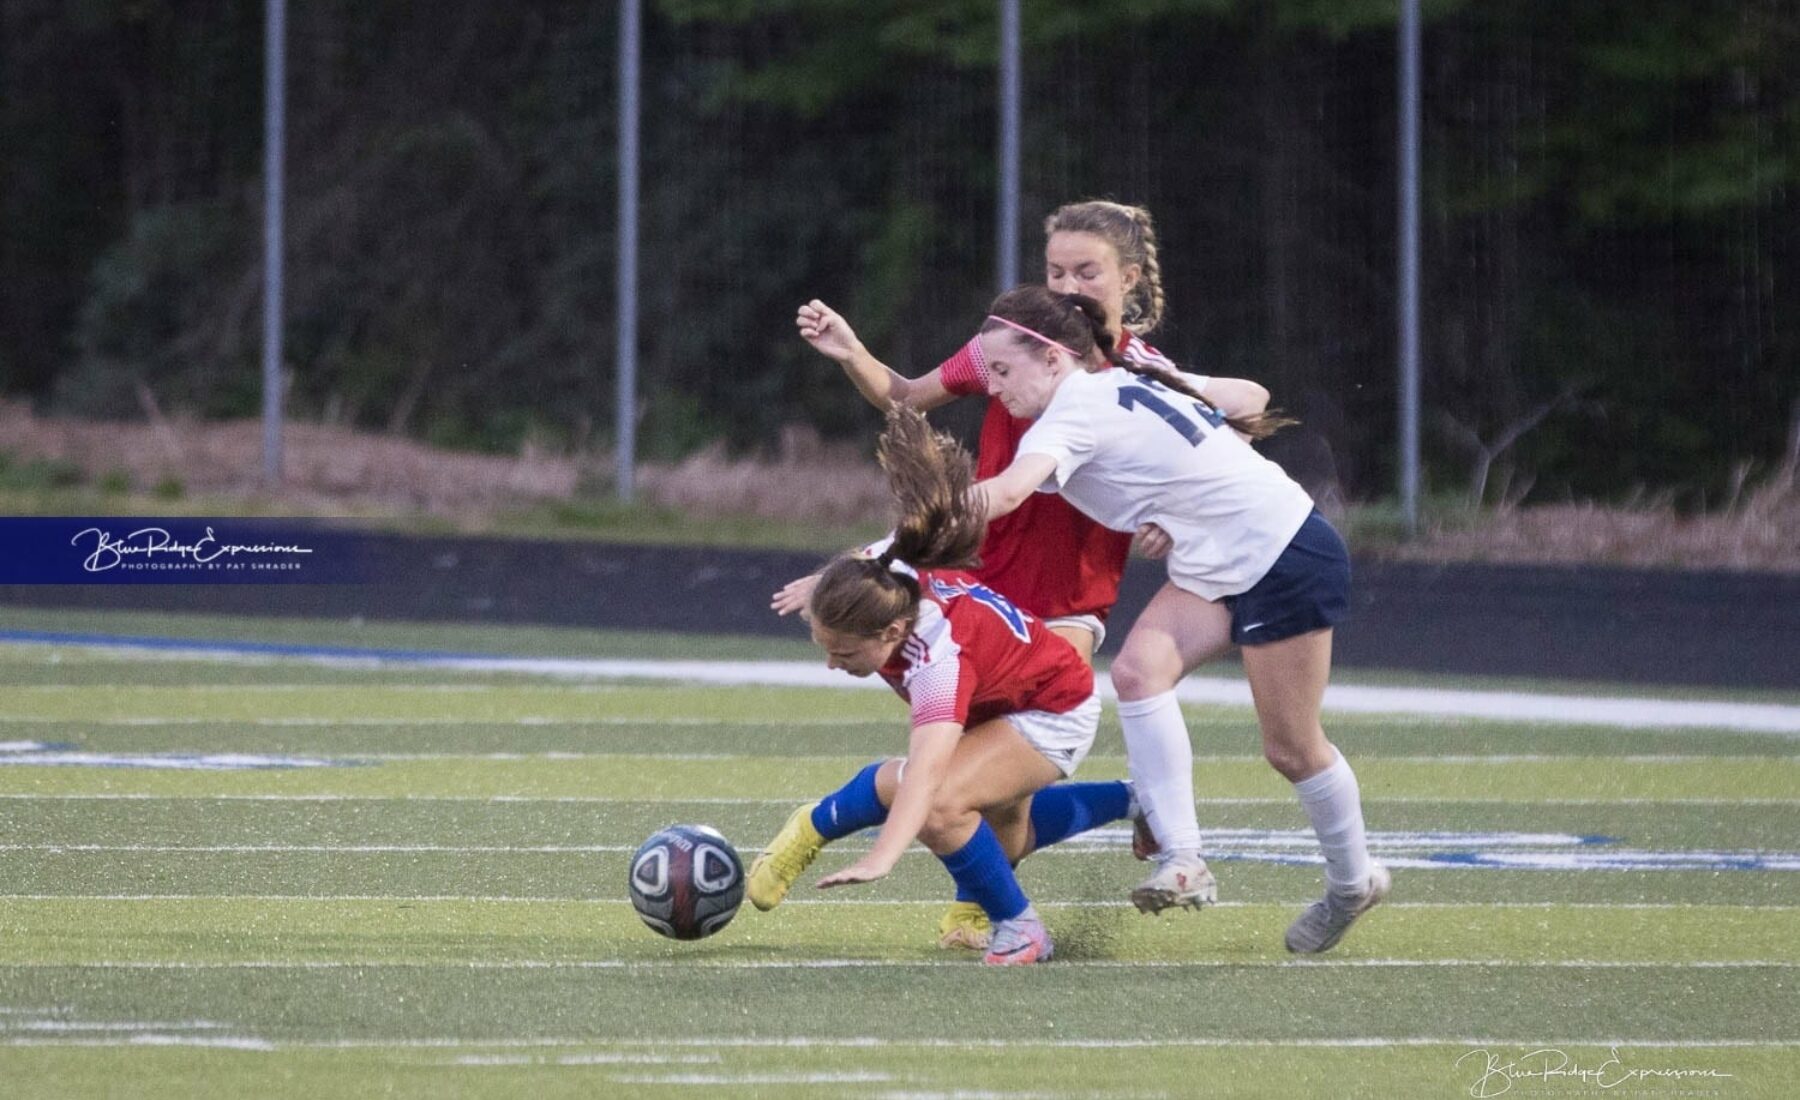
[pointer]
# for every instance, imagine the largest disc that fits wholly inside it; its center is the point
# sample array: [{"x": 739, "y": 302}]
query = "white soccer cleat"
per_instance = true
[
  {"x": 1019, "y": 942},
  {"x": 1323, "y": 923},
  {"x": 1181, "y": 880}
]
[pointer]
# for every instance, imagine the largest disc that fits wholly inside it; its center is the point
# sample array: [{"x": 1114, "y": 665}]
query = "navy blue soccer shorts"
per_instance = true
[{"x": 1307, "y": 589}]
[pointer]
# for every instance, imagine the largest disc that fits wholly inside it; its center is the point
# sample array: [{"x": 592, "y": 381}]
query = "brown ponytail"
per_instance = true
[{"x": 930, "y": 475}]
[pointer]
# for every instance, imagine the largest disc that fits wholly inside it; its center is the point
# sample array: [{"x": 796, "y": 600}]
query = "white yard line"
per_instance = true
[
  {"x": 1514, "y": 706},
  {"x": 924, "y": 903},
  {"x": 954, "y": 1043},
  {"x": 578, "y": 799},
  {"x": 687, "y": 965}
]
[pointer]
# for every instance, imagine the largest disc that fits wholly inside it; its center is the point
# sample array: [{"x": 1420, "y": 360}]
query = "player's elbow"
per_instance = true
[
  {"x": 1237, "y": 396},
  {"x": 999, "y": 499}
]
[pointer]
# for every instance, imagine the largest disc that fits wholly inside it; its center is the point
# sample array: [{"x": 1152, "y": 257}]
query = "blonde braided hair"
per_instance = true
[{"x": 1132, "y": 234}]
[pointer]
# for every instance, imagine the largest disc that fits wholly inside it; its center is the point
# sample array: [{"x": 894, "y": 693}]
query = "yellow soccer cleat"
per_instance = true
[
  {"x": 965, "y": 925},
  {"x": 791, "y": 852}
]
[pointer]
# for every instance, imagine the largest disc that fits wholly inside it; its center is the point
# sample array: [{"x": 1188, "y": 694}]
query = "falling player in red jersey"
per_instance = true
[{"x": 1001, "y": 708}]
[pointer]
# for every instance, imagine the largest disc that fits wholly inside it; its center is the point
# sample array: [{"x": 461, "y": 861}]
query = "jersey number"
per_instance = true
[
  {"x": 1131, "y": 397},
  {"x": 1017, "y": 621}
]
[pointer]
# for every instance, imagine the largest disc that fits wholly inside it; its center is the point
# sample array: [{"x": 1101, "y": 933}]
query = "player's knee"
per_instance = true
[
  {"x": 1136, "y": 677},
  {"x": 1294, "y": 762},
  {"x": 947, "y": 826}
]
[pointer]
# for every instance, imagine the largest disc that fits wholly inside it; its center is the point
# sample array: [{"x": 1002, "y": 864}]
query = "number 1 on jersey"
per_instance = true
[{"x": 1130, "y": 397}]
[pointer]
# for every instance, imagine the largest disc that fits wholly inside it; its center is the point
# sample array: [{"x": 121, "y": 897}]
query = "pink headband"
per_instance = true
[{"x": 1035, "y": 335}]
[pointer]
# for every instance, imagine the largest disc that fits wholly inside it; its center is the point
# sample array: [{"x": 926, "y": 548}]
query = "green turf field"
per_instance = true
[{"x": 430, "y": 900}]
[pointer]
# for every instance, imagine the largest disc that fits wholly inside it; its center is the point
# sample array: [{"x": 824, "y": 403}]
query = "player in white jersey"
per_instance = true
[{"x": 1135, "y": 445}]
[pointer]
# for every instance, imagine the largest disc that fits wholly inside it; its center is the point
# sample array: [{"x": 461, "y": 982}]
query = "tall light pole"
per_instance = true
[
  {"x": 631, "y": 40},
  {"x": 274, "y": 166},
  {"x": 1408, "y": 275},
  {"x": 1007, "y": 205}
]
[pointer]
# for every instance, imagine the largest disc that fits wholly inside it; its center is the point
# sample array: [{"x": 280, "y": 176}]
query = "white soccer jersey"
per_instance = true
[{"x": 1130, "y": 451}]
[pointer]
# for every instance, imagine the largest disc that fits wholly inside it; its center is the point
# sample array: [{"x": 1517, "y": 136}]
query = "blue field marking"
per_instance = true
[
  {"x": 1480, "y": 851},
  {"x": 67, "y": 754},
  {"x": 209, "y": 645},
  {"x": 52, "y": 756}
]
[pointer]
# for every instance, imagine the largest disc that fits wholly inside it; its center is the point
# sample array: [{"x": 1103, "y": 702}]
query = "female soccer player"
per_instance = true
[
  {"x": 1046, "y": 556},
  {"x": 1001, "y": 707},
  {"x": 1144, "y": 445}
]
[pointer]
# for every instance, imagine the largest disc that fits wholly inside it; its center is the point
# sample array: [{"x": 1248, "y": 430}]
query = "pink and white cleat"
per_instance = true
[{"x": 1020, "y": 941}]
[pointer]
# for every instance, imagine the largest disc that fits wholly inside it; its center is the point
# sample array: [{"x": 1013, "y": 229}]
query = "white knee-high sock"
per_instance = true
[
  {"x": 1334, "y": 804},
  {"x": 1161, "y": 761}
]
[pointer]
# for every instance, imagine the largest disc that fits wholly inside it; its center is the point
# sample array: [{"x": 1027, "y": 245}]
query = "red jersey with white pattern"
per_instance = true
[
  {"x": 1045, "y": 555},
  {"x": 973, "y": 656}
]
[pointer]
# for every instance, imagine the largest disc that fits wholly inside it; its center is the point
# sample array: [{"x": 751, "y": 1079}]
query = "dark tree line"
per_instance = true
[{"x": 1611, "y": 236}]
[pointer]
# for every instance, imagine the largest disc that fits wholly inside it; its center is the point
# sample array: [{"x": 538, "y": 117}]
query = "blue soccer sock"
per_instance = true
[
  {"x": 980, "y": 868},
  {"x": 851, "y": 808},
  {"x": 1061, "y": 810}
]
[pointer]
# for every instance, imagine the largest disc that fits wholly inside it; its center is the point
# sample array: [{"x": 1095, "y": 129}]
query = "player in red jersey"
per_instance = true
[
  {"x": 1001, "y": 708},
  {"x": 1046, "y": 556}
]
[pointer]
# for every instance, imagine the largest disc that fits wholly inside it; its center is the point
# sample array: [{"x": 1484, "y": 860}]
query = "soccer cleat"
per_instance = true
[
  {"x": 965, "y": 925},
  {"x": 1180, "y": 880},
  {"x": 1020, "y": 942},
  {"x": 791, "y": 852},
  {"x": 1323, "y": 923}
]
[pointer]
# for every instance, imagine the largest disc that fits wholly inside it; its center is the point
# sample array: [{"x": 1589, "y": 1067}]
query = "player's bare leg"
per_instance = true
[{"x": 1287, "y": 680}]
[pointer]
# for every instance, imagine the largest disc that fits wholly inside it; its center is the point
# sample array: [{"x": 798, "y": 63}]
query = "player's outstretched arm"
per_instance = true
[
  {"x": 831, "y": 336},
  {"x": 927, "y": 761},
  {"x": 1003, "y": 493}
]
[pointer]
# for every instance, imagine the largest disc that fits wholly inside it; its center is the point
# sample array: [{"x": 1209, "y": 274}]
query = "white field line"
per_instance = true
[
  {"x": 959, "y": 1043},
  {"x": 443, "y": 722},
  {"x": 56, "y": 1025},
  {"x": 923, "y": 903},
  {"x": 619, "y": 1059},
  {"x": 870, "y": 902},
  {"x": 578, "y": 799},
  {"x": 23, "y": 752},
  {"x": 944, "y": 1043},
  {"x": 1344, "y": 698},
  {"x": 901, "y": 964}
]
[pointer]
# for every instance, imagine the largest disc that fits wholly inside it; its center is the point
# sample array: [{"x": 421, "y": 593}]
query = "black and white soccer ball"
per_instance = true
[{"x": 687, "y": 882}]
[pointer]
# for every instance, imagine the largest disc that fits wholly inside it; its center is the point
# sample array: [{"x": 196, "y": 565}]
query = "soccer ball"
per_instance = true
[{"x": 687, "y": 882}]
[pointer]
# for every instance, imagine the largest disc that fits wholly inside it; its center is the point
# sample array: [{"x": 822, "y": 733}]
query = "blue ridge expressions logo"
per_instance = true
[
  {"x": 208, "y": 550},
  {"x": 141, "y": 549}
]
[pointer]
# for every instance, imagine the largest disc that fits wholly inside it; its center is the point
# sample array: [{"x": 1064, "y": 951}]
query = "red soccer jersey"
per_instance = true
[
  {"x": 973, "y": 656},
  {"x": 1045, "y": 555}
]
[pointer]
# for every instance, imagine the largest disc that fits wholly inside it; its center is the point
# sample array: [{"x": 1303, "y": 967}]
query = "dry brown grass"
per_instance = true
[
  {"x": 1759, "y": 532},
  {"x": 334, "y": 470},
  {"x": 330, "y": 469}
]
